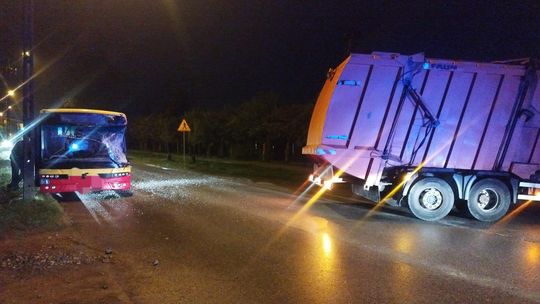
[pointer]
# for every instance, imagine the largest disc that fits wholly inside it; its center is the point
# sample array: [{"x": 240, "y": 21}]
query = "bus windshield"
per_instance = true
[{"x": 83, "y": 141}]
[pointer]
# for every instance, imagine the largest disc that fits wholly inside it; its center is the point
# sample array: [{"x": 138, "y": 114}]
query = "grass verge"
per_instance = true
[
  {"x": 43, "y": 212},
  {"x": 278, "y": 173}
]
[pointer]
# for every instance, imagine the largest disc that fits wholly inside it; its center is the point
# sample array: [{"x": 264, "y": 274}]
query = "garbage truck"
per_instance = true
[{"x": 430, "y": 134}]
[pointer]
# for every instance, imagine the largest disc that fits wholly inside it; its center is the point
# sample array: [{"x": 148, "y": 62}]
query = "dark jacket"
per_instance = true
[{"x": 17, "y": 153}]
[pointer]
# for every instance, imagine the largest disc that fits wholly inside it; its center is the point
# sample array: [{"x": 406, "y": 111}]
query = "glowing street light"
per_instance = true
[
  {"x": 26, "y": 53},
  {"x": 11, "y": 93},
  {"x": 9, "y": 107}
]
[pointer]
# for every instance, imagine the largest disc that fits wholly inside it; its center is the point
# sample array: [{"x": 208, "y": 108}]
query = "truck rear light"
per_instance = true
[
  {"x": 529, "y": 191},
  {"x": 328, "y": 184}
]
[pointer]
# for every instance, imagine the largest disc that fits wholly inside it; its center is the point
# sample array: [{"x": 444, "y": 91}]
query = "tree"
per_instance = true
[
  {"x": 140, "y": 130},
  {"x": 287, "y": 126},
  {"x": 166, "y": 127},
  {"x": 209, "y": 130},
  {"x": 250, "y": 125},
  {"x": 261, "y": 128}
]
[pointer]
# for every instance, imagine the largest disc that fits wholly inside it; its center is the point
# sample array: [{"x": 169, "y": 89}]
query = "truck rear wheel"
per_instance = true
[
  {"x": 489, "y": 200},
  {"x": 431, "y": 199}
]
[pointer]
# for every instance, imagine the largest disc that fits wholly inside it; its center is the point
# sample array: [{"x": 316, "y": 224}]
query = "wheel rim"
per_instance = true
[
  {"x": 488, "y": 200},
  {"x": 431, "y": 199}
]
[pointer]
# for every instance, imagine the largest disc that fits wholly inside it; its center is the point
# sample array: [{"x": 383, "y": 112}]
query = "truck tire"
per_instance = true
[
  {"x": 489, "y": 200},
  {"x": 431, "y": 199}
]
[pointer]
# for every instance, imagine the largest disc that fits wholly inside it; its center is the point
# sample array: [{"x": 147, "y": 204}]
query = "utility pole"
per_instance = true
[{"x": 28, "y": 168}]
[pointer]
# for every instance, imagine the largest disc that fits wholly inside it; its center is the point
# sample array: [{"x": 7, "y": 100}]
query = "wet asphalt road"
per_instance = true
[{"x": 223, "y": 240}]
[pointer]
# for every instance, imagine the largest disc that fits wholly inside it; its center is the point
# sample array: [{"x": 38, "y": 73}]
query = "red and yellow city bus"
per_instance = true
[{"x": 83, "y": 150}]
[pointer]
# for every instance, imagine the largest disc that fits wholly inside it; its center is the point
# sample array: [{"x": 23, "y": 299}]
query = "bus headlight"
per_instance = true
[
  {"x": 54, "y": 176},
  {"x": 6, "y": 144}
]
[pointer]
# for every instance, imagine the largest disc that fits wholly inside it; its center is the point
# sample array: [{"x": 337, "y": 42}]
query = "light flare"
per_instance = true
[
  {"x": 507, "y": 218},
  {"x": 309, "y": 187},
  {"x": 398, "y": 187},
  {"x": 25, "y": 82},
  {"x": 403, "y": 241},
  {"x": 409, "y": 175},
  {"x": 533, "y": 254},
  {"x": 316, "y": 196},
  {"x": 37, "y": 73},
  {"x": 94, "y": 204},
  {"x": 303, "y": 194},
  {"x": 296, "y": 215},
  {"x": 306, "y": 206},
  {"x": 326, "y": 244}
]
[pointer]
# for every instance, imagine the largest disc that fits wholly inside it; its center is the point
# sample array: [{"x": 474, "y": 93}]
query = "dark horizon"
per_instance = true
[{"x": 139, "y": 56}]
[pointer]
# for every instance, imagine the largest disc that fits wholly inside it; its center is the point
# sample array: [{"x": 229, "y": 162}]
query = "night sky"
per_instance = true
[{"x": 138, "y": 56}]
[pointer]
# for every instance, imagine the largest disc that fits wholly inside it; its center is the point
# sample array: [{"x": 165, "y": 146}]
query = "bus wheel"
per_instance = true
[
  {"x": 431, "y": 199},
  {"x": 489, "y": 200}
]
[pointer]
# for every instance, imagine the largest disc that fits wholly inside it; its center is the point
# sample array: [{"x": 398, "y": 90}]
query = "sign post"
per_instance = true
[{"x": 184, "y": 128}]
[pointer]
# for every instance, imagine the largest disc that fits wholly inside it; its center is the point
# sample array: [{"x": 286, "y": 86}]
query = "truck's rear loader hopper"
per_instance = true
[{"x": 429, "y": 133}]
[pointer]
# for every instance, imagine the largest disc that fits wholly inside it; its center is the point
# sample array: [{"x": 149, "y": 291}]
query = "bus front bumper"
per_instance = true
[{"x": 84, "y": 184}]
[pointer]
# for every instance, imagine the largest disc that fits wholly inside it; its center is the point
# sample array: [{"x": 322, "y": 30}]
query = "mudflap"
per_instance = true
[{"x": 372, "y": 194}]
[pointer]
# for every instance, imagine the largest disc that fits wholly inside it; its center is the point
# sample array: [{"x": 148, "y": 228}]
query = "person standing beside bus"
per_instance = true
[{"x": 16, "y": 159}]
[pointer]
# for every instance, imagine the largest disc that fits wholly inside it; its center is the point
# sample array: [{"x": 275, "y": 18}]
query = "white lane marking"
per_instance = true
[
  {"x": 94, "y": 204},
  {"x": 160, "y": 167}
]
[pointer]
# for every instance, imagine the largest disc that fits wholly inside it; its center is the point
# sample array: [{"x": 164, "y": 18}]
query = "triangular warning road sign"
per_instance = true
[{"x": 184, "y": 126}]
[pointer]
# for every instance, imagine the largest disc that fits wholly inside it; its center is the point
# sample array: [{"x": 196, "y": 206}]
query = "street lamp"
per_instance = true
[
  {"x": 11, "y": 93},
  {"x": 9, "y": 107}
]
